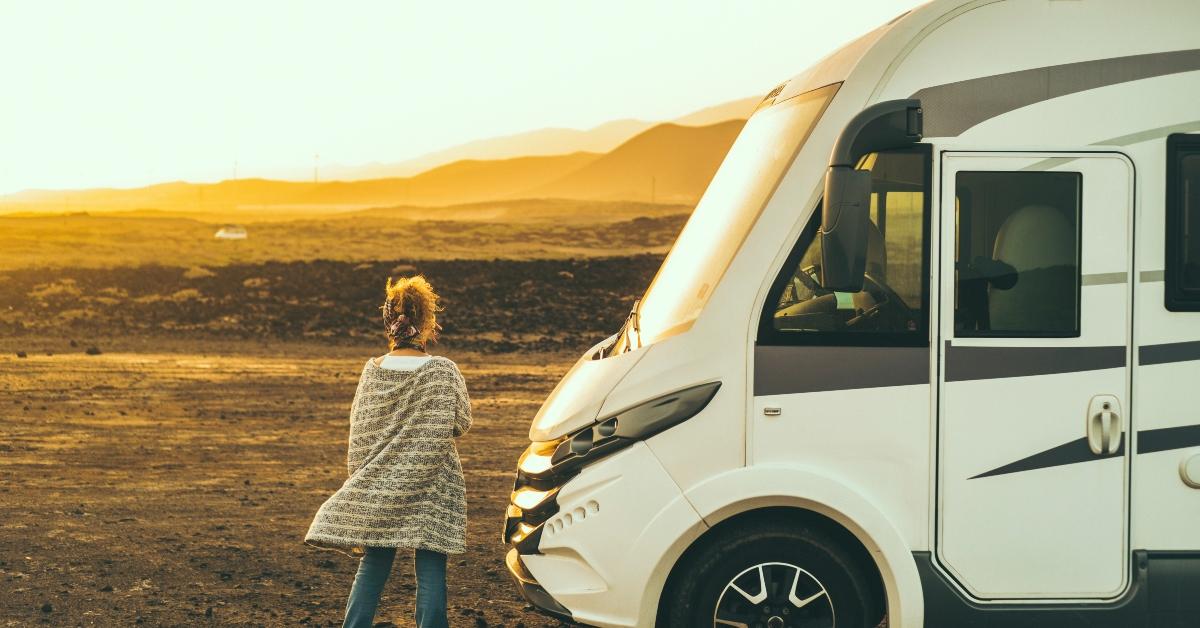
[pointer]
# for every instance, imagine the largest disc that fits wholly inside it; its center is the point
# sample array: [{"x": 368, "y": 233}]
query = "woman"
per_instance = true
[{"x": 406, "y": 485}]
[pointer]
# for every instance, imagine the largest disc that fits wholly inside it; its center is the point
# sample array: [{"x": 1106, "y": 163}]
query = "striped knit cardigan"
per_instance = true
[{"x": 406, "y": 484}]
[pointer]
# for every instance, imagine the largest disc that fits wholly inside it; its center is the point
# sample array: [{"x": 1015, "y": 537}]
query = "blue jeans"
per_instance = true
[{"x": 373, "y": 572}]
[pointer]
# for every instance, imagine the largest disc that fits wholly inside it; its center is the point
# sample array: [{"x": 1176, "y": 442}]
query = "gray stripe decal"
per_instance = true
[
  {"x": 1151, "y": 134},
  {"x": 1104, "y": 279},
  {"x": 1122, "y": 140},
  {"x": 1168, "y": 353},
  {"x": 971, "y": 363},
  {"x": 1150, "y": 276},
  {"x": 782, "y": 370},
  {"x": 952, "y": 108},
  {"x": 1048, "y": 164}
]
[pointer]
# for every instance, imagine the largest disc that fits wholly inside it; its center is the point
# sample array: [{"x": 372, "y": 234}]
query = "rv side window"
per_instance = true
[
  {"x": 1183, "y": 223},
  {"x": 1017, "y": 254},
  {"x": 892, "y": 308}
]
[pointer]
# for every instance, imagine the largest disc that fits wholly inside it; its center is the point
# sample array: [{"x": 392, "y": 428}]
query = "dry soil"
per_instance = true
[{"x": 174, "y": 488}]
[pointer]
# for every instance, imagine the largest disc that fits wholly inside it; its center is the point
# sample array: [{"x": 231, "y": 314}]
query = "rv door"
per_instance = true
[{"x": 1034, "y": 336}]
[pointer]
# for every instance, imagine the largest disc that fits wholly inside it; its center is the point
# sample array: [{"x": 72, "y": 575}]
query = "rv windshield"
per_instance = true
[{"x": 731, "y": 204}]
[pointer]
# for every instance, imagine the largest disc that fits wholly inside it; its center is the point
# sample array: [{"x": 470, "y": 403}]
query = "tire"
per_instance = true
[{"x": 811, "y": 582}]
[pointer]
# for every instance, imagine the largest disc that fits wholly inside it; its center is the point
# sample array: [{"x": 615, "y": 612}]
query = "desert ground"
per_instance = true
[
  {"x": 173, "y": 488},
  {"x": 529, "y": 229},
  {"x": 173, "y": 409}
]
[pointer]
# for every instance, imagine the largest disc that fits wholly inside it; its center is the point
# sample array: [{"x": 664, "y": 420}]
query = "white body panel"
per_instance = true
[
  {"x": 621, "y": 525},
  {"x": 884, "y": 460},
  {"x": 580, "y": 393}
]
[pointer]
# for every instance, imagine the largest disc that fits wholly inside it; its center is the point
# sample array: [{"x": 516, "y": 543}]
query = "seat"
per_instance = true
[
  {"x": 1040, "y": 243},
  {"x": 876, "y": 265}
]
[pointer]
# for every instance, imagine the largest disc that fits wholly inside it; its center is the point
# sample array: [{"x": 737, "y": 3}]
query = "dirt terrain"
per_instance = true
[
  {"x": 173, "y": 488},
  {"x": 167, "y": 432},
  {"x": 495, "y": 305},
  {"x": 517, "y": 230}
]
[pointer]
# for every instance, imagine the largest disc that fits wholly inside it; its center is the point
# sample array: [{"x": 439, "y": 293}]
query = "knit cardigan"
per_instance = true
[{"x": 405, "y": 486}]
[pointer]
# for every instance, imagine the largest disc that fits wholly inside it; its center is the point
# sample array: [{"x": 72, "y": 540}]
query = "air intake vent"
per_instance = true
[{"x": 568, "y": 519}]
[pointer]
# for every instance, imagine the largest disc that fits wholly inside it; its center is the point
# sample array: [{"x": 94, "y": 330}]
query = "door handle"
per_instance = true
[{"x": 1104, "y": 426}]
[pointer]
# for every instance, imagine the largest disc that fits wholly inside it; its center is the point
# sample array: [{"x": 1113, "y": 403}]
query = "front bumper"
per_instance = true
[
  {"x": 522, "y": 533},
  {"x": 533, "y": 592},
  {"x": 597, "y": 552}
]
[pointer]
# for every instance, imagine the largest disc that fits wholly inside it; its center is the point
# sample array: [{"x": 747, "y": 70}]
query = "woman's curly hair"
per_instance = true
[{"x": 410, "y": 313}]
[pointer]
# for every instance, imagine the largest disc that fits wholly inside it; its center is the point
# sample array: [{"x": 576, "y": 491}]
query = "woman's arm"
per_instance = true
[
  {"x": 462, "y": 413},
  {"x": 352, "y": 463}
]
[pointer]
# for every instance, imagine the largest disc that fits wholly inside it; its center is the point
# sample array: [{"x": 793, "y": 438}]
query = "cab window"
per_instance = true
[{"x": 893, "y": 306}]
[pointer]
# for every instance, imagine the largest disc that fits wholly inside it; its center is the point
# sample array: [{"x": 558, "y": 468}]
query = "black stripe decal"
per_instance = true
[
  {"x": 952, "y": 108},
  {"x": 1168, "y": 438},
  {"x": 1067, "y": 453},
  {"x": 970, "y": 363},
  {"x": 1149, "y": 441},
  {"x": 782, "y": 370},
  {"x": 1170, "y": 352}
]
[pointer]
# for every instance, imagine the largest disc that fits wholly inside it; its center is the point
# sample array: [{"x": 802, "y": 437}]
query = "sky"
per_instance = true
[{"x": 121, "y": 94}]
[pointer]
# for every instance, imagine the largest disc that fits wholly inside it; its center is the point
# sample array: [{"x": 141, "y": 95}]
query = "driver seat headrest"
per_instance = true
[{"x": 1040, "y": 244}]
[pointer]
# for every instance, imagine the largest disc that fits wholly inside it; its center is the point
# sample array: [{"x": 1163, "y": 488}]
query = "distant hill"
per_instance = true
[
  {"x": 459, "y": 182},
  {"x": 679, "y": 159},
  {"x": 670, "y": 162},
  {"x": 732, "y": 110},
  {"x": 665, "y": 163},
  {"x": 553, "y": 141}
]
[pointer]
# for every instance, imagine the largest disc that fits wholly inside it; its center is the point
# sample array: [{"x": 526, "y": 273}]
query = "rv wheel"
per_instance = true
[{"x": 774, "y": 576}]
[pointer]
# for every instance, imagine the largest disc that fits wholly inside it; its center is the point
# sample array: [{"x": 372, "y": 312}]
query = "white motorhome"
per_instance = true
[{"x": 928, "y": 348}]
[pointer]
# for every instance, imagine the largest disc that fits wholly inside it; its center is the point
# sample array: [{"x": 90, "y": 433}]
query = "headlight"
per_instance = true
[
  {"x": 536, "y": 459},
  {"x": 546, "y": 461},
  {"x": 546, "y": 465},
  {"x": 527, "y": 498},
  {"x": 523, "y": 530}
]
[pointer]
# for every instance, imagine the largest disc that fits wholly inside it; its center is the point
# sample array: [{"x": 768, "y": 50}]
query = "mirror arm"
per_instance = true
[{"x": 883, "y": 125}]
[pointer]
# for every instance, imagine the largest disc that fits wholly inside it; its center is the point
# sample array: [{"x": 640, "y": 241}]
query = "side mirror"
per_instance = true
[
  {"x": 847, "y": 205},
  {"x": 844, "y": 216}
]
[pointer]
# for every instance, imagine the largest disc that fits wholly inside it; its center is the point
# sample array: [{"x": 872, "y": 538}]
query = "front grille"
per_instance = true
[{"x": 523, "y": 526}]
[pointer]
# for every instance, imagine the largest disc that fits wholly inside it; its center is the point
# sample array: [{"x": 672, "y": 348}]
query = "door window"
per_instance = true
[
  {"x": 1017, "y": 254},
  {"x": 892, "y": 308},
  {"x": 1183, "y": 223}
]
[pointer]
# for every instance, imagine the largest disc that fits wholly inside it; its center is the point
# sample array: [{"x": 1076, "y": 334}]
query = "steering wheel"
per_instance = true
[
  {"x": 808, "y": 277},
  {"x": 890, "y": 301}
]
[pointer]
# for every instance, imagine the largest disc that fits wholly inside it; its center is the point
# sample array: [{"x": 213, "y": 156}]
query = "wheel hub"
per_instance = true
[{"x": 774, "y": 595}]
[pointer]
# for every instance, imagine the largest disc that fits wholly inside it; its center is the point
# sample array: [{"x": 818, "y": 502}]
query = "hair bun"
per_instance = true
[{"x": 410, "y": 311}]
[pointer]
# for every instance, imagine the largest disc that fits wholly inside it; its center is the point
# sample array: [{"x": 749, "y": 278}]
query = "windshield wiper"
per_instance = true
[
  {"x": 632, "y": 324},
  {"x": 635, "y": 317}
]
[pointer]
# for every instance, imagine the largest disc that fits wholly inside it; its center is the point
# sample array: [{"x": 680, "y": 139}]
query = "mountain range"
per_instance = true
[{"x": 624, "y": 160}]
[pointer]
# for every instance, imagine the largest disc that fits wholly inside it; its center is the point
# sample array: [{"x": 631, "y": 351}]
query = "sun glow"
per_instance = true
[{"x": 127, "y": 94}]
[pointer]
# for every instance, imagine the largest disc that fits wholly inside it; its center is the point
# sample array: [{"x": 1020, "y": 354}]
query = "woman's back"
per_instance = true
[{"x": 405, "y": 487}]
